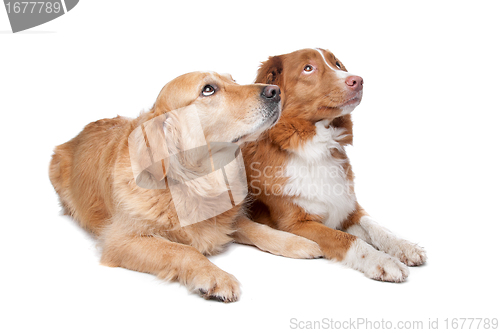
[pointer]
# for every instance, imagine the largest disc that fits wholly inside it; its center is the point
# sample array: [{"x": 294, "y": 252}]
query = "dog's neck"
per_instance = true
[
  {"x": 207, "y": 170},
  {"x": 292, "y": 133}
]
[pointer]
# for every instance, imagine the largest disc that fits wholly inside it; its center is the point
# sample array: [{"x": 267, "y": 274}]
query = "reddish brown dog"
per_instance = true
[{"x": 301, "y": 176}]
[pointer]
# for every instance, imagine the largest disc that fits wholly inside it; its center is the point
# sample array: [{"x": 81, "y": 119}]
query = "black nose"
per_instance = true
[{"x": 271, "y": 92}]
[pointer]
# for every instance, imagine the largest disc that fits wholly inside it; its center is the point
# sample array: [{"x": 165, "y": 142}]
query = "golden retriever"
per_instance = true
[{"x": 116, "y": 178}]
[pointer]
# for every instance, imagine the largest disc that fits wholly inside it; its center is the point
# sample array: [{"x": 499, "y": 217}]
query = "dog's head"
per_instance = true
[
  {"x": 314, "y": 83},
  {"x": 193, "y": 111},
  {"x": 228, "y": 112}
]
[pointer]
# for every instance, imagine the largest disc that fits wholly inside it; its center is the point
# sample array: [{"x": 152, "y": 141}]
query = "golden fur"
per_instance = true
[{"x": 138, "y": 228}]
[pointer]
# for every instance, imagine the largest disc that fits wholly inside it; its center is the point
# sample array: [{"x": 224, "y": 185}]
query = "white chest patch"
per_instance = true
[{"x": 317, "y": 180}]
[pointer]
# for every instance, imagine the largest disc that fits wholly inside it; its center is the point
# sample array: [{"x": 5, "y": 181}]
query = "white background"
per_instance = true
[{"x": 425, "y": 155}]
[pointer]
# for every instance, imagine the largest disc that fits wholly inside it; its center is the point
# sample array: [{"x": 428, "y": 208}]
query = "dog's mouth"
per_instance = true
[
  {"x": 271, "y": 118},
  {"x": 351, "y": 103},
  {"x": 239, "y": 138}
]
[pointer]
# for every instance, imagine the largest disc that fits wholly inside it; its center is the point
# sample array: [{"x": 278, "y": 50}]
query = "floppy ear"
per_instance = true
[{"x": 271, "y": 71}]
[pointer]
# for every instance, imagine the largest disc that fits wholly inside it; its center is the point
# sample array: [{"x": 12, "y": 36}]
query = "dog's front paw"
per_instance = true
[
  {"x": 286, "y": 244},
  {"x": 216, "y": 284},
  {"x": 300, "y": 248},
  {"x": 408, "y": 253},
  {"x": 387, "y": 268},
  {"x": 375, "y": 264}
]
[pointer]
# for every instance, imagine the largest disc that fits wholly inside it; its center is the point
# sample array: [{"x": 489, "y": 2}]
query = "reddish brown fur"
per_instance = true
[
  {"x": 305, "y": 102},
  {"x": 354, "y": 217},
  {"x": 317, "y": 94}
]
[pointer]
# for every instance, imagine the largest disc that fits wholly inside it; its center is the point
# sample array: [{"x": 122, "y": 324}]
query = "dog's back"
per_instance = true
[
  {"x": 80, "y": 171},
  {"x": 96, "y": 177}
]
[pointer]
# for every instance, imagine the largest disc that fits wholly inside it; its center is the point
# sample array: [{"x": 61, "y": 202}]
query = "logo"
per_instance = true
[
  {"x": 28, "y": 14},
  {"x": 205, "y": 179}
]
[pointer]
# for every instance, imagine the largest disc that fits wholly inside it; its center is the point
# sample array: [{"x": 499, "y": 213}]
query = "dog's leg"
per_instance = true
[
  {"x": 170, "y": 261},
  {"x": 364, "y": 227},
  {"x": 274, "y": 241},
  {"x": 352, "y": 251}
]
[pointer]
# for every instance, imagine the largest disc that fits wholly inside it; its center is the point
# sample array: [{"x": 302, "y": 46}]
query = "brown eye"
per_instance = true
[
  {"x": 338, "y": 65},
  {"x": 208, "y": 90},
  {"x": 308, "y": 68}
]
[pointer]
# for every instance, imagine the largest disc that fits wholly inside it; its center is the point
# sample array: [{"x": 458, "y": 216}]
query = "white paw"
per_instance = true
[
  {"x": 387, "y": 268},
  {"x": 214, "y": 283},
  {"x": 375, "y": 264},
  {"x": 408, "y": 253}
]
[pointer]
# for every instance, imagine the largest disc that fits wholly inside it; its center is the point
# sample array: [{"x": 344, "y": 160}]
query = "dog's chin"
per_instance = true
[
  {"x": 252, "y": 136},
  {"x": 332, "y": 112},
  {"x": 349, "y": 106},
  {"x": 260, "y": 128}
]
